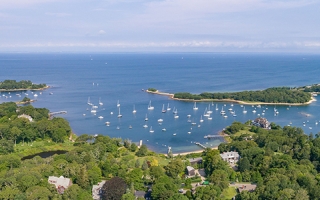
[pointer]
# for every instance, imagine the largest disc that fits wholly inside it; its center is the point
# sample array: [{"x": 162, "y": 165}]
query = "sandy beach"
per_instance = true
[{"x": 171, "y": 96}]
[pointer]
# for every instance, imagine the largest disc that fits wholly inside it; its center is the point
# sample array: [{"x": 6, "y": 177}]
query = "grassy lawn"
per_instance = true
[
  {"x": 228, "y": 193},
  {"x": 245, "y": 131},
  {"x": 39, "y": 146}
]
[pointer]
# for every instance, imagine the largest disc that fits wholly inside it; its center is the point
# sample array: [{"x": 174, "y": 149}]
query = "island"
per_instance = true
[
  {"x": 13, "y": 85},
  {"x": 275, "y": 95}
]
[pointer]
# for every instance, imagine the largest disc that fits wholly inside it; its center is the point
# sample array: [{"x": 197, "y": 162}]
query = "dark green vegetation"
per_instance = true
[
  {"x": 284, "y": 162},
  {"x": 270, "y": 95},
  {"x": 17, "y": 128},
  {"x": 152, "y": 89},
  {"x": 21, "y": 85},
  {"x": 311, "y": 88}
]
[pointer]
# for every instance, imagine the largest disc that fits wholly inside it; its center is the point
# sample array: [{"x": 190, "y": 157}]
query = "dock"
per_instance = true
[
  {"x": 201, "y": 145},
  {"x": 57, "y": 113},
  {"x": 213, "y": 136}
]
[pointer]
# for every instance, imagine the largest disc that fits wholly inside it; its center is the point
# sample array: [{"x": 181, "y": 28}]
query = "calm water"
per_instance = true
[{"x": 112, "y": 77}]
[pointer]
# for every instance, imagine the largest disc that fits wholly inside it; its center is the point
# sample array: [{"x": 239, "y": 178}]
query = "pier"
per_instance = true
[
  {"x": 57, "y": 113},
  {"x": 201, "y": 145},
  {"x": 213, "y": 136}
]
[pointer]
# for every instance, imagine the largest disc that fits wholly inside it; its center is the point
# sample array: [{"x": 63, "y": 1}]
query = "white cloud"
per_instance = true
[
  {"x": 20, "y": 3},
  {"x": 101, "y": 32},
  {"x": 57, "y": 14},
  {"x": 185, "y": 44}
]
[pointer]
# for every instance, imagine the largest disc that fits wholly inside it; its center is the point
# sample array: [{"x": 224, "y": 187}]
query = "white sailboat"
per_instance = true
[
  {"x": 244, "y": 110},
  {"x": 93, "y": 110},
  {"x": 150, "y": 107},
  {"x": 146, "y": 118},
  {"x": 151, "y": 130},
  {"x": 209, "y": 111},
  {"x": 89, "y": 103},
  {"x": 201, "y": 120},
  {"x": 195, "y": 106},
  {"x": 168, "y": 107},
  {"x": 222, "y": 112},
  {"x": 118, "y": 103},
  {"x": 206, "y": 114},
  {"x": 119, "y": 115},
  {"x": 134, "y": 109},
  {"x": 217, "y": 107},
  {"x": 234, "y": 114},
  {"x": 163, "y": 110},
  {"x": 100, "y": 103}
]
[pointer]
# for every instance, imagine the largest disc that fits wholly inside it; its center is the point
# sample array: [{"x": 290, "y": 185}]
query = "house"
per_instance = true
[
  {"x": 195, "y": 160},
  {"x": 26, "y": 116},
  {"x": 261, "y": 122},
  {"x": 61, "y": 183},
  {"x": 191, "y": 171},
  {"x": 231, "y": 157},
  {"x": 96, "y": 190}
]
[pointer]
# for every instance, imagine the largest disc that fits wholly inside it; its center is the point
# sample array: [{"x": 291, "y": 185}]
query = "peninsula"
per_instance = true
[
  {"x": 13, "y": 85},
  {"x": 271, "y": 96}
]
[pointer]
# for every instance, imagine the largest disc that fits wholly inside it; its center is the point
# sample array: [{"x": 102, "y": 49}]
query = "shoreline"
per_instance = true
[
  {"x": 17, "y": 90},
  {"x": 171, "y": 96}
]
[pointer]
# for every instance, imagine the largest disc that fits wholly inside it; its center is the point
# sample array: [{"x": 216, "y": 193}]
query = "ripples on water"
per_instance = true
[{"x": 113, "y": 77}]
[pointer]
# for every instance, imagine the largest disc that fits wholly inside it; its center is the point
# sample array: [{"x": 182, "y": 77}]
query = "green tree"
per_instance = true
[
  {"x": 174, "y": 168},
  {"x": 143, "y": 151},
  {"x": 38, "y": 192},
  {"x": 220, "y": 178},
  {"x": 6, "y": 146}
]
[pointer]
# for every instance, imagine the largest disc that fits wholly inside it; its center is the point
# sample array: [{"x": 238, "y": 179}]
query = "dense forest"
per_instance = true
[
  {"x": 27, "y": 124},
  {"x": 283, "y": 162},
  {"x": 270, "y": 95},
  {"x": 24, "y": 84}
]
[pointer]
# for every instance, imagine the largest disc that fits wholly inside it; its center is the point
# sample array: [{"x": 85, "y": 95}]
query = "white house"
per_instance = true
[
  {"x": 61, "y": 183},
  {"x": 231, "y": 157}
]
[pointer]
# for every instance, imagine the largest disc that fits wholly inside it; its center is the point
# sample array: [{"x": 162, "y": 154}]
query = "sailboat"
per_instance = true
[
  {"x": 146, "y": 118},
  {"x": 89, "y": 103},
  {"x": 201, "y": 120},
  {"x": 234, "y": 114},
  {"x": 209, "y": 111},
  {"x": 93, "y": 110},
  {"x": 168, "y": 107},
  {"x": 150, "y": 107},
  {"x": 222, "y": 112},
  {"x": 175, "y": 111},
  {"x": 100, "y": 103},
  {"x": 151, "y": 130},
  {"x": 119, "y": 115},
  {"x": 206, "y": 114},
  {"x": 134, "y": 109},
  {"x": 244, "y": 110},
  {"x": 163, "y": 110},
  {"x": 217, "y": 107},
  {"x": 118, "y": 103},
  {"x": 176, "y": 116},
  {"x": 195, "y": 106}
]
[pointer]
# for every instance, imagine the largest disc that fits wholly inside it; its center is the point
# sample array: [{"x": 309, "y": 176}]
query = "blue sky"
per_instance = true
[{"x": 160, "y": 25}]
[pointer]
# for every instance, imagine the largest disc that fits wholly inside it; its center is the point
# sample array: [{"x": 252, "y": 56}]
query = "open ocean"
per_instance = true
[{"x": 74, "y": 78}]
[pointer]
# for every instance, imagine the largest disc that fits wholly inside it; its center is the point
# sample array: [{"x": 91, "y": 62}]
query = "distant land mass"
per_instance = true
[
  {"x": 275, "y": 95},
  {"x": 13, "y": 85}
]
